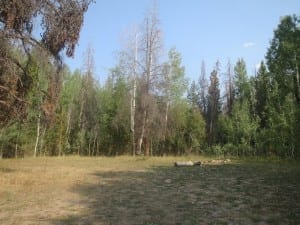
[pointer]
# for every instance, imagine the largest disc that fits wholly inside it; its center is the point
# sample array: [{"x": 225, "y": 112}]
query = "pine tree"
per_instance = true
[
  {"x": 241, "y": 82},
  {"x": 213, "y": 107},
  {"x": 283, "y": 58},
  {"x": 193, "y": 95},
  {"x": 262, "y": 93}
]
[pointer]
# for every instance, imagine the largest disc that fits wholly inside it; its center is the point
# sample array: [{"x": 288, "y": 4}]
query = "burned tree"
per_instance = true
[{"x": 59, "y": 22}]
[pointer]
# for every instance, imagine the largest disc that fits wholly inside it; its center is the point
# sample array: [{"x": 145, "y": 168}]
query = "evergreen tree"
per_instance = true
[
  {"x": 174, "y": 86},
  {"x": 283, "y": 63},
  {"x": 243, "y": 132},
  {"x": 283, "y": 56},
  {"x": 213, "y": 107},
  {"x": 114, "y": 115},
  {"x": 262, "y": 93},
  {"x": 241, "y": 82},
  {"x": 193, "y": 95}
]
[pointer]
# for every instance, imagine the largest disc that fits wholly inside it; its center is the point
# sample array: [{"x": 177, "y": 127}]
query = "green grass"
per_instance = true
[{"x": 125, "y": 190}]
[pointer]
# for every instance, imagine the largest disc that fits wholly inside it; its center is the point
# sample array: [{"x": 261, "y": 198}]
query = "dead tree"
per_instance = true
[
  {"x": 151, "y": 48},
  {"x": 60, "y": 22}
]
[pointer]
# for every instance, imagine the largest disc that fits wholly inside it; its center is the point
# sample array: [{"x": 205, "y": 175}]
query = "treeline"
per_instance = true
[
  {"x": 33, "y": 36},
  {"x": 147, "y": 105}
]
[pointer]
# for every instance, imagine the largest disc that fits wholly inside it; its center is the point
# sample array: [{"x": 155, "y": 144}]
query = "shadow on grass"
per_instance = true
[{"x": 219, "y": 194}]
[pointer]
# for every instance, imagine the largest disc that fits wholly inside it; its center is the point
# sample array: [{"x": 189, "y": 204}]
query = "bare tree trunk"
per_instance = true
[
  {"x": 17, "y": 140},
  {"x": 147, "y": 146},
  {"x": 133, "y": 102},
  {"x": 97, "y": 148},
  {"x": 42, "y": 141},
  {"x": 146, "y": 137},
  {"x": 60, "y": 147},
  {"x": 81, "y": 127},
  {"x": 166, "y": 126},
  {"x": 68, "y": 127},
  {"x": 151, "y": 148},
  {"x": 37, "y": 135},
  {"x": 140, "y": 143},
  {"x": 81, "y": 121},
  {"x": 150, "y": 47},
  {"x": 94, "y": 144},
  {"x": 89, "y": 150},
  {"x": 167, "y": 78},
  {"x": 166, "y": 119},
  {"x": 145, "y": 121},
  {"x": 133, "y": 143},
  {"x": 16, "y": 151},
  {"x": 133, "y": 117}
]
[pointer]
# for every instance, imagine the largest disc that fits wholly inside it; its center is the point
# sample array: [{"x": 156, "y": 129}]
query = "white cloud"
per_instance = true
[{"x": 248, "y": 44}]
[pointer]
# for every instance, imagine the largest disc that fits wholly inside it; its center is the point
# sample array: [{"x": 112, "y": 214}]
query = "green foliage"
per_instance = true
[
  {"x": 213, "y": 107},
  {"x": 244, "y": 128},
  {"x": 230, "y": 149},
  {"x": 238, "y": 131},
  {"x": 195, "y": 130},
  {"x": 262, "y": 94},
  {"x": 241, "y": 82},
  {"x": 186, "y": 130},
  {"x": 261, "y": 118},
  {"x": 225, "y": 129},
  {"x": 283, "y": 106},
  {"x": 176, "y": 82},
  {"x": 283, "y": 58},
  {"x": 283, "y": 123},
  {"x": 115, "y": 114},
  {"x": 9, "y": 138},
  {"x": 216, "y": 150},
  {"x": 193, "y": 95},
  {"x": 175, "y": 140}
]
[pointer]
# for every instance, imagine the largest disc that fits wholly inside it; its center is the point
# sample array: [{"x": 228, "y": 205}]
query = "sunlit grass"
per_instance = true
[{"x": 128, "y": 190}]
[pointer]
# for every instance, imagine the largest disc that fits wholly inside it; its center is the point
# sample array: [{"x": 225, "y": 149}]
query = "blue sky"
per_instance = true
[{"x": 207, "y": 30}]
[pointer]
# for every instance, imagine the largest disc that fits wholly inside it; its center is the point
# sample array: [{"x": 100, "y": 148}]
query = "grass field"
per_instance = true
[{"x": 129, "y": 191}]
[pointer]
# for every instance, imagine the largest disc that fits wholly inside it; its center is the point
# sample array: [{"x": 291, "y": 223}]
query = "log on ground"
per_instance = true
[{"x": 187, "y": 163}]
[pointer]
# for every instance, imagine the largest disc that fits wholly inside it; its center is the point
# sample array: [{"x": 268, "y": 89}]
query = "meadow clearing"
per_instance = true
[{"x": 147, "y": 191}]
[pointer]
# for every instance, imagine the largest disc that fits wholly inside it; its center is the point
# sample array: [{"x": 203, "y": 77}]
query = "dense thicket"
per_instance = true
[{"x": 146, "y": 105}]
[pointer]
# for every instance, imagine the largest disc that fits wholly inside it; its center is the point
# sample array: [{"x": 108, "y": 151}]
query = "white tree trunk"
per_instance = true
[
  {"x": 38, "y": 128},
  {"x": 68, "y": 127},
  {"x": 166, "y": 119},
  {"x": 17, "y": 146},
  {"x": 133, "y": 97},
  {"x": 168, "y": 104},
  {"x": 42, "y": 141},
  {"x": 140, "y": 143}
]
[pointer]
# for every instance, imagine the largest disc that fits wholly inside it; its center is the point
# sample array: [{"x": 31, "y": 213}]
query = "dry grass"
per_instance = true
[{"x": 130, "y": 191}]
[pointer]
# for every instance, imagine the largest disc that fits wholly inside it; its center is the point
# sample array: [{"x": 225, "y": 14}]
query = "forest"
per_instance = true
[{"x": 146, "y": 106}]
